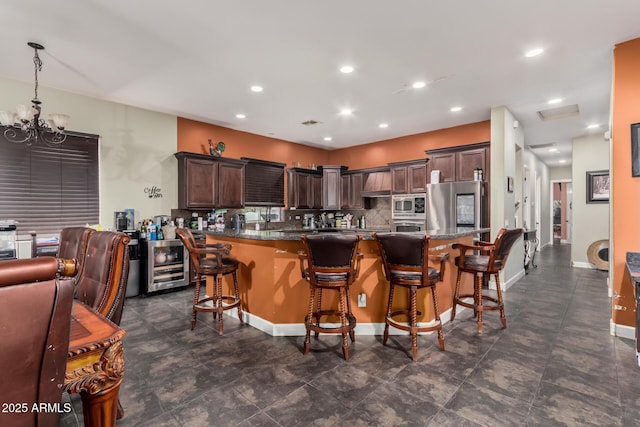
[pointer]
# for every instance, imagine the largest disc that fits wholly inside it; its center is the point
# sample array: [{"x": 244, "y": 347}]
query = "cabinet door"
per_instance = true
[
  {"x": 331, "y": 185},
  {"x": 468, "y": 160},
  {"x": 230, "y": 185},
  {"x": 417, "y": 178},
  {"x": 445, "y": 163},
  {"x": 200, "y": 182},
  {"x": 399, "y": 180},
  {"x": 316, "y": 192},
  {"x": 299, "y": 190},
  {"x": 346, "y": 191},
  {"x": 356, "y": 201}
]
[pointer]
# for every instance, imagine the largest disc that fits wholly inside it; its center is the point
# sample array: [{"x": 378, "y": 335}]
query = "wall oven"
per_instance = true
[
  {"x": 407, "y": 226},
  {"x": 408, "y": 213}
]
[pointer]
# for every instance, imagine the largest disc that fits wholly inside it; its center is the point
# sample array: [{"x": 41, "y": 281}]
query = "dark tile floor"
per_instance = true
[{"x": 555, "y": 364}]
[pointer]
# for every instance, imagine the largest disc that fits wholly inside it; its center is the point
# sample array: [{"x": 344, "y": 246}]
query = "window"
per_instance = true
[{"x": 48, "y": 187}]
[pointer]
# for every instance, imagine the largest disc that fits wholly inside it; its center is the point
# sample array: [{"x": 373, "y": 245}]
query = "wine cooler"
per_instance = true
[{"x": 167, "y": 265}]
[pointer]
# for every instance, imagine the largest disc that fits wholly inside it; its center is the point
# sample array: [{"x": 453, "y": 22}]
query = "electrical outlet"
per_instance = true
[{"x": 362, "y": 299}]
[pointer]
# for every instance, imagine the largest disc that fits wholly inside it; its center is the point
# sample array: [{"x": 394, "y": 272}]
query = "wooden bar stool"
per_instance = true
[
  {"x": 332, "y": 263},
  {"x": 490, "y": 259},
  {"x": 217, "y": 266},
  {"x": 405, "y": 261}
]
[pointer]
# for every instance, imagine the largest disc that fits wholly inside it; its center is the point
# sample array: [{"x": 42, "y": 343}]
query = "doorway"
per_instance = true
[{"x": 561, "y": 203}]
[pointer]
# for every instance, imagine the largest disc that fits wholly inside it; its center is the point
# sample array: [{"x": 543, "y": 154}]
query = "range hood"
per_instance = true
[{"x": 377, "y": 183}]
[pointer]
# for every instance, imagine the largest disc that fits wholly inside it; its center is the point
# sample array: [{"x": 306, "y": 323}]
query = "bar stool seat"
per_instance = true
[
  {"x": 218, "y": 264},
  {"x": 405, "y": 261},
  {"x": 489, "y": 260},
  {"x": 332, "y": 263}
]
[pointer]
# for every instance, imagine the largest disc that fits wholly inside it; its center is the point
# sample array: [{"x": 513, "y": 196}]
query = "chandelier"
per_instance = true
[{"x": 25, "y": 124}]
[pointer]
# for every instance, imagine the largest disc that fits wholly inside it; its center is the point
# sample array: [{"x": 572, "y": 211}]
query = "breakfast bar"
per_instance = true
[{"x": 274, "y": 295}]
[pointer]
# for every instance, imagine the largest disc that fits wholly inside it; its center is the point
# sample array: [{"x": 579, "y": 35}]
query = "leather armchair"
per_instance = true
[
  {"x": 73, "y": 244},
  {"x": 102, "y": 282},
  {"x": 35, "y": 320}
]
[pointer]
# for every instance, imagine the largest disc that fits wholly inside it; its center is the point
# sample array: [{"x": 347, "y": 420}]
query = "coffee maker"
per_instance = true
[
  {"x": 238, "y": 222},
  {"x": 308, "y": 221}
]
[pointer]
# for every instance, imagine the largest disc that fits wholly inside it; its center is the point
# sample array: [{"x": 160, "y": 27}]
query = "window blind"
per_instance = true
[{"x": 46, "y": 188}]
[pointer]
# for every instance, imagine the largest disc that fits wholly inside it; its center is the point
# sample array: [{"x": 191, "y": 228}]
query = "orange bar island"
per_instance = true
[{"x": 275, "y": 296}]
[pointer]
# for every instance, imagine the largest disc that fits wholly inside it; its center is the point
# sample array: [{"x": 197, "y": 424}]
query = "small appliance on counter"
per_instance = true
[
  {"x": 124, "y": 220},
  {"x": 238, "y": 222},
  {"x": 308, "y": 221},
  {"x": 8, "y": 239}
]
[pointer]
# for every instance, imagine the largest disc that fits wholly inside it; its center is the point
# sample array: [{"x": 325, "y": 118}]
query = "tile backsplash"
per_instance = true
[{"x": 378, "y": 216}]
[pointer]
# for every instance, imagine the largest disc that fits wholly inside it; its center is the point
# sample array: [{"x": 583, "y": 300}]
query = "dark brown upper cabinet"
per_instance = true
[
  {"x": 352, "y": 186},
  {"x": 331, "y": 187},
  {"x": 409, "y": 177},
  {"x": 304, "y": 188},
  {"x": 206, "y": 182},
  {"x": 458, "y": 163}
]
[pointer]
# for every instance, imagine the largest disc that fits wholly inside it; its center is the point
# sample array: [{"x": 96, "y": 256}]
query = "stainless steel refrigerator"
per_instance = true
[{"x": 455, "y": 204}]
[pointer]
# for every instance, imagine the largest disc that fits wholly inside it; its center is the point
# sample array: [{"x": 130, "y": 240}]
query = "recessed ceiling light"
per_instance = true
[
  {"x": 593, "y": 126},
  {"x": 346, "y": 112},
  {"x": 563, "y": 161},
  {"x": 346, "y": 69},
  {"x": 418, "y": 85},
  {"x": 383, "y": 125},
  {"x": 554, "y": 101},
  {"x": 241, "y": 116},
  {"x": 327, "y": 138},
  {"x": 455, "y": 109},
  {"x": 256, "y": 88},
  {"x": 553, "y": 150},
  {"x": 534, "y": 52}
]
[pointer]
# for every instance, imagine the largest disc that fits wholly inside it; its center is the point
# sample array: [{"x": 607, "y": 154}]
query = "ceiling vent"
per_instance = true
[
  {"x": 542, "y": 146},
  {"x": 310, "y": 123},
  {"x": 559, "y": 113}
]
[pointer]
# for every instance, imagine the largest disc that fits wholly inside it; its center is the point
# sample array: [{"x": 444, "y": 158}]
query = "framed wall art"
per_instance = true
[{"x": 598, "y": 184}]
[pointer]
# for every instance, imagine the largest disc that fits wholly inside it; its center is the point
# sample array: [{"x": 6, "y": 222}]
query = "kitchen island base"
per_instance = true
[{"x": 275, "y": 296}]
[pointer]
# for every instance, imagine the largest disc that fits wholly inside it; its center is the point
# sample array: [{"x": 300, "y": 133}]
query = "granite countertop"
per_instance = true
[
  {"x": 633, "y": 265},
  {"x": 294, "y": 234}
]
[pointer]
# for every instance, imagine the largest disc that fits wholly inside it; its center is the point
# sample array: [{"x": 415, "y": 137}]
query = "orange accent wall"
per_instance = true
[
  {"x": 409, "y": 147},
  {"x": 625, "y": 188},
  {"x": 193, "y": 136}
]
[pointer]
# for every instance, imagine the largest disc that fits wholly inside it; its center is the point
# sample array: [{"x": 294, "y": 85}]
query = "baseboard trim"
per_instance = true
[
  {"x": 507, "y": 284},
  {"x": 580, "y": 264},
  {"x": 298, "y": 329},
  {"x": 622, "y": 331}
]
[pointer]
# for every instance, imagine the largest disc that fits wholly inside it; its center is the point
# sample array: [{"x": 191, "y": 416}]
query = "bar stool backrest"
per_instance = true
[
  {"x": 332, "y": 250},
  {"x": 502, "y": 247},
  {"x": 400, "y": 249}
]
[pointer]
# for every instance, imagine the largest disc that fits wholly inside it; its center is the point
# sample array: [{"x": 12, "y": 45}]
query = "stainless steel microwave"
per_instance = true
[{"x": 409, "y": 206}]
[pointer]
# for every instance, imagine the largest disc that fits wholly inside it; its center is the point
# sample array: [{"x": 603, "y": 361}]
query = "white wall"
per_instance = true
[
  {"x": 136, "y": 147},
  {"x": 560, "y": 173},
  {"x": 504, "y": 140},
  {"x": 590, "y": 221},
  {"x": 534, "y": 164}
]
